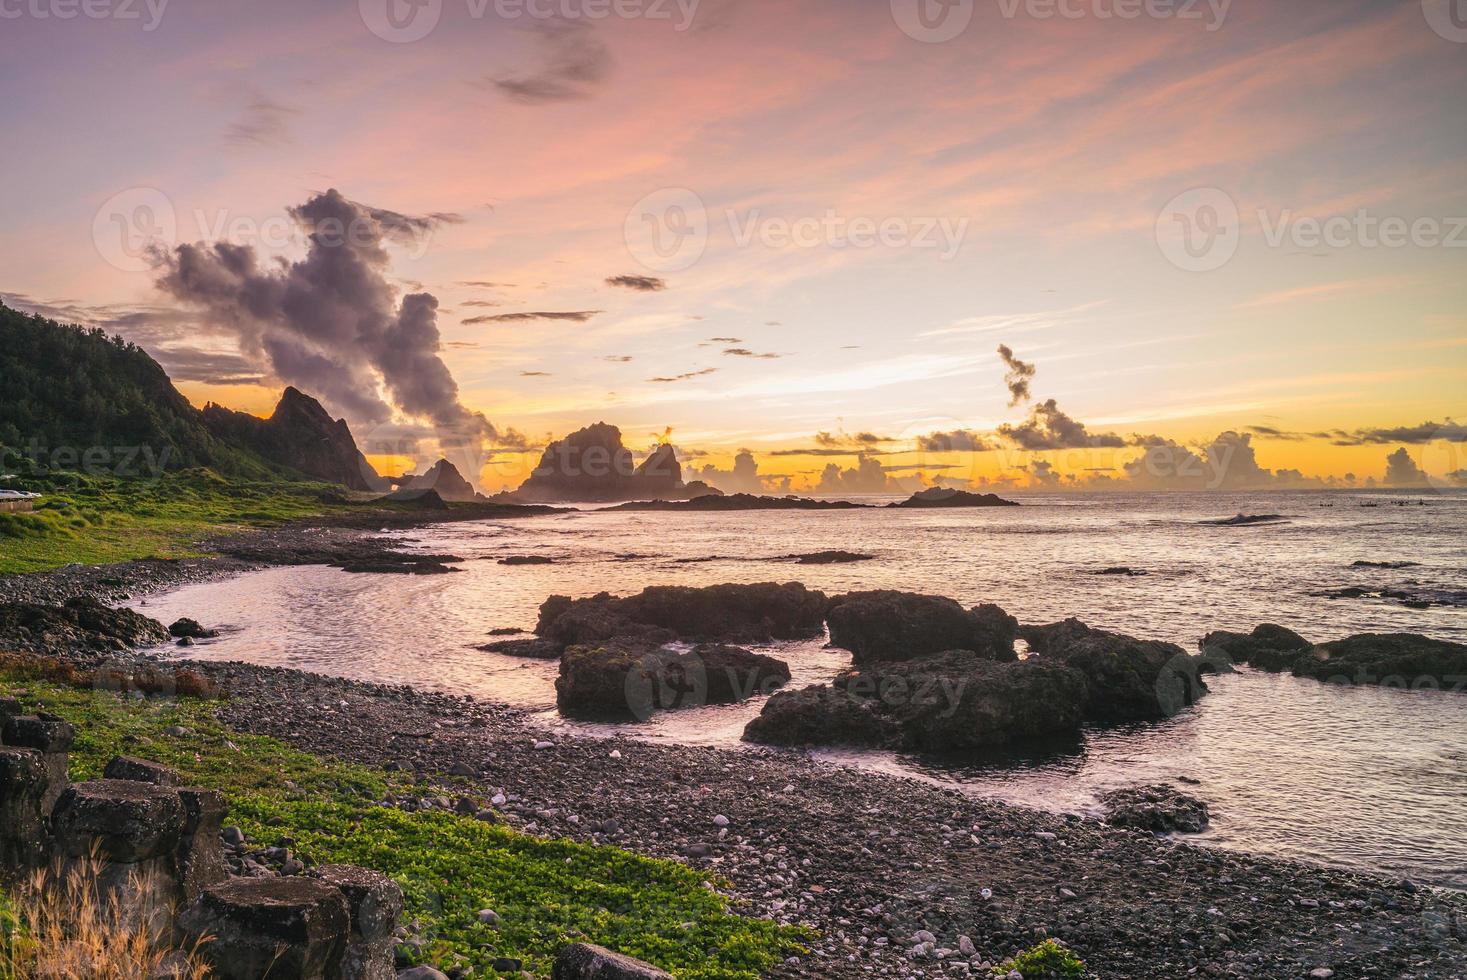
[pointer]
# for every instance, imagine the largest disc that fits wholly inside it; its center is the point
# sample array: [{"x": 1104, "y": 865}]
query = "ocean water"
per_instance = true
[{"x": 1363, "y": 778}]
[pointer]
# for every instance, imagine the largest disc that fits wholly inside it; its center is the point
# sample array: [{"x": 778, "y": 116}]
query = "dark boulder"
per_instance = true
[
  {"x": 584, "y": 961},
  {"x": 141, "y": 771},
  {"x": 530, "y": 649},
  {"x": 295, "y": 928},
  {"x": 1159, "y": 809},
  {"x": 1268, "y": 647},
  {"x": 888, "y": 625},
  {"x": 961, "y": 700},
  {"x": 527, "y": 560},
  {"x": 953, "y": 700},
  {"x": 118, "y": 820},
  {"x": 1404, "y": 660},
  {"x": 756, "y": 613},
  {"x": 80, "y": 623},
  {"x": 620, "y": 681},
  {"x": 191, "y": 629},
  {"x": 1128, "y": 679},
  {"x": 822, "y": 715}
]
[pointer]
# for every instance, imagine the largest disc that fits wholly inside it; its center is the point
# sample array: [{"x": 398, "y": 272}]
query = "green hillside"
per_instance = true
[{"x": 77, "y": 399}]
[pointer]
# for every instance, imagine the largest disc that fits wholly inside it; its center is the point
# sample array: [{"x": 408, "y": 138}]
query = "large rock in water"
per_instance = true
[
  {"x": 755, "y": 613},
  {"x": 887, "y": 625},
  {"x": 950, "y": 497},
  {"x": 1128, "y": 679},
  {"x": 1268, "y": 647},
  {"x": 1404, "y": 660},
  {"x": 299, "y": 435},
  {"x": 952, "y": 700},
  {"x": 444, "y": 479},
  {"x": 592, "y": 465},
  {"x": 619, "y": 681},
  {"x": 823, "y": 715}
]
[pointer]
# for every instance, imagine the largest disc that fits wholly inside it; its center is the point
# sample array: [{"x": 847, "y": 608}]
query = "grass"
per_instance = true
[
  {"x": 96, "y": 520},
  {"x": 1049, "y": 960},
  {"x": 60, "y": 924},
  {"x": 546, "y": 892}
]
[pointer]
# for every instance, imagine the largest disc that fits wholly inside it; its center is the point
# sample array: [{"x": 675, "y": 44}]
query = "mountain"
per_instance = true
[
  {"x": 75, "y": 398},
  {"x": 69, "y": 391},
  {"x": 592, "y": 465},
  {"x": 301, "y": 435},
  {"x": 444, "y": 478}
]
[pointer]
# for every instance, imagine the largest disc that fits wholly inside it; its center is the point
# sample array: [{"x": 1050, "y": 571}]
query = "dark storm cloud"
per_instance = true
[
  {"x": 572, "y": 316},
  {"x": 642, "y": 284},
  {"x": 1411, "y": 435},
  {"x": 956, "y": 441},
  {"x": 1047, "y": 427},
  {"x": 572, "y": 61},
  {"x": 1019, "y": 375},
  {"x": 330, "y": 323}
]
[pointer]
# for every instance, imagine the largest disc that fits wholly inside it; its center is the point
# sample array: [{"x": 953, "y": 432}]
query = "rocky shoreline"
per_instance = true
[{"x": 901, "y": 878}]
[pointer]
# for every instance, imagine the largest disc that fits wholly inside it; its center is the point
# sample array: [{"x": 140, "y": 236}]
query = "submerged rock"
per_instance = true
[
  {"x": 1158, "y": 808},
  {"x": 1269, "y": 647},
  {"x": 1128, "y": 679},
  {"x": 830, "y": 558},
  {"x": 1245, "y": 520},
  {"x": 718, "y": 613},
  {"x": 531, "y": 649},
  {"x": 888, "y": 625},
  {"x": 619, "y": 681},
  {"x": 527, "y": 560}
]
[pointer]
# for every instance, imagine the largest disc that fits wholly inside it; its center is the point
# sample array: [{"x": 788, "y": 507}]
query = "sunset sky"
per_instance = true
[{"x": 1024, "y": 183}]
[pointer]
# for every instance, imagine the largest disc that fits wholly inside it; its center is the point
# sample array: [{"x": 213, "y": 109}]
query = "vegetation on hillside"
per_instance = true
[
  {"x": 546, "y": 892},
  {"x": 75, "y": 398},
  {"x": 95, "y": 520}
]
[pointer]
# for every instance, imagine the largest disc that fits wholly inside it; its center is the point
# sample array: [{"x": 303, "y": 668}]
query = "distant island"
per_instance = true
[
  {"x": 931, "y": 498},
  {"x": 591, "y": 465}
]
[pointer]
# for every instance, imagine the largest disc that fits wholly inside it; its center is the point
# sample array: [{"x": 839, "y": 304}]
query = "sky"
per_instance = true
[{"x": 1233, "y": 233}]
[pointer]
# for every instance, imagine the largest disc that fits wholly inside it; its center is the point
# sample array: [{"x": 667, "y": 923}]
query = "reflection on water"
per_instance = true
[{"x": 1364, "y": 778}]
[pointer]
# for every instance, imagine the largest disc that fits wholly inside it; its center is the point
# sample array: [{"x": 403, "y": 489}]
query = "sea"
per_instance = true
[{"x": 1370, "y": 779}]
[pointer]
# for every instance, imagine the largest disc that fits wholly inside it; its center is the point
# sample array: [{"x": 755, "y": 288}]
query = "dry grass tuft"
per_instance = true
[
  {"x": 61, "y": 924},
  {"x": 176, "y": 682}
]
